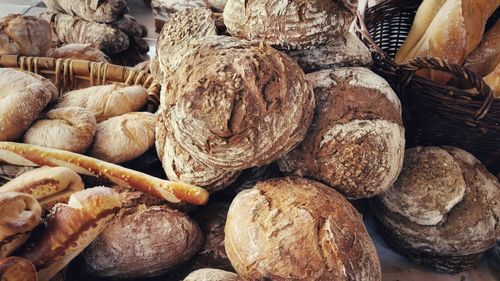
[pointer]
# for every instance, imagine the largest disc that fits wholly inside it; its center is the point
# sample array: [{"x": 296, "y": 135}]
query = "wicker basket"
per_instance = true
[
  {"x": 68, "y": 74},
  {"x": 433, "y": 113}
]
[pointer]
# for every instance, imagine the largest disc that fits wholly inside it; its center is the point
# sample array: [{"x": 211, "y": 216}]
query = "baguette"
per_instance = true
[
  {"x": 93, "y": 10},
  {"x": 17, "y": 269},
  {"x": 30, "y": 155}
]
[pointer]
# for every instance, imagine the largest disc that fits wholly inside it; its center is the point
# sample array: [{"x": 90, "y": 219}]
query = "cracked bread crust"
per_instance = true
[{"x": 298, "y": 229}]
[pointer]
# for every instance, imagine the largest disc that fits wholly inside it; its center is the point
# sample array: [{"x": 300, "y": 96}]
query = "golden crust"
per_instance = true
[{"x": 17, "y": 269}]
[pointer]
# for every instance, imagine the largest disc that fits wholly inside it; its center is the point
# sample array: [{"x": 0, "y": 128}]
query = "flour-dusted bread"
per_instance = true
[
  {"x": 106, "y": 101},
  {"x": 124, "y": 138},
  {"x": 24, "y": 35},
  {"x": 97, "y": 10},
  {"x": 443, "y": 210},
  {"x": 290, "y": 24},
  {"x": 68, "y": 128},
  {"x": 78, "y": 52},
  {"x": 298, "y": 229},
  {"x": 356, "y": 143},
  {"x": 486, "y": 57},
  {"x": 23, "y": 96},
  {"x": 212, "y": 274},
  {"x": 143, "y": 241}
]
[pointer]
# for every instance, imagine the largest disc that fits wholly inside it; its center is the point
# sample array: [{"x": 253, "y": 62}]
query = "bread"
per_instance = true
[
  {"x": 447, "y": 29},
  {"x": 47, "y": 185},
  {"x": 143, "y": 241},
  {"x": 443, "y": 210},
  {"x": 298, "y": 229},
  {"x": 106, "y": 101},
  {"x": 17, "y": 269},
  {"x": 256, "y": 106},
  {"x": 23, "y": 96},
  {"x": 24, "y": 35},
  {"x": 68, "y": 29},
  {"x": 346, "y": 51},
  {"x": 493, "y": 80},
  {"x": 69, "y": 229},
  {"x": 130, "y": 26},
  {"x": 212, "y": 274},
  {"x": 79, "y": 52},
  {"x": 68, "y": 128},
  {"x": 10, "y": 172},
  {"x": 21, "y": 213},
  {"x": 98, "y": 11},
  {"x": 356, "y": 143},
  {"x": 31, "y": 155},
  {"x": 486, "y": 57},
  {"x": 287, "y": 24},
  {"x": 124, "y": 138}
]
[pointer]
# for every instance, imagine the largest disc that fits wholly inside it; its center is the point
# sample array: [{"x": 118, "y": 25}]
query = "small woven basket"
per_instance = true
[
  {"x": 433, "y": 113},
  {"x": 68, "y": 74}
]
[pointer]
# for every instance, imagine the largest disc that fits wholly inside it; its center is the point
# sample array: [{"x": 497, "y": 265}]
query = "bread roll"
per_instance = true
[
  {"x": 212, "y": 274},
  {"x": 290, "y": 24},
  {"x": 68, "y": 128},
  {"x": 23, "y": 96},
  {"x": 17, "y": 269},
  {"x": 447, "y": 29},
  {"x": 69, "y": 229},
  {"x": 106, "y": 101},
  {"x": 443, "y": 210},
  {"x": 356, "y": 143},
  {"x": 24, "y": 35},
  {"x": 256, "y": 103},
  {"x": 143, "y": 241},
  {"x": 98, "y": 11},
  {"x": 47, "y": 185},
  {"x": 21, "y": 213},
  {"x": 297, "y": 229},
  {"x": 486, "y": 57},
  {"x": 79, "y": 52}
]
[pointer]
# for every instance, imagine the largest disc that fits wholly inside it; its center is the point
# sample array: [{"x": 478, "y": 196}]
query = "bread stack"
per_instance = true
[{"x": 103, "y": 24}]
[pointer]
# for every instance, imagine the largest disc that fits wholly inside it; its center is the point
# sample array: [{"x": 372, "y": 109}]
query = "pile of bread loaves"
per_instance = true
[{"x": 236, "y": 106}]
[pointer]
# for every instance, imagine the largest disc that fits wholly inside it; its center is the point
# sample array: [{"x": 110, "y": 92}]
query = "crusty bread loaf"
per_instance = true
[
  {"x": 356, "y": 143},
  {"x": 78, "y": 52},
  {"x": 23, "y": 96},
  {"x": 447, "y": 29},
  {"x": 48, "y": 185},
  {"x": 124, "y": 138},
  {"x": 21, "y": 213},
  {"x": 31, "y": 155},
  {"x": 443, "y": 210},
  {"x": 486, "y": 57},
  {"x": 17, "y": 269},
  {"x": 143, "y": 241},
  {"x": 212, "y": 274},
  {"x": 290, "y": 24},
  {"x": 107, "y": 100},
  {"x": 68, "y": 128},
  {"x": 98, "y": 11},
  {"x": 69, "y": 229},
  {"x": 24, "y": 35},
  {"x": 298, "y": 229},
  {"x": 9, "y": 172}
]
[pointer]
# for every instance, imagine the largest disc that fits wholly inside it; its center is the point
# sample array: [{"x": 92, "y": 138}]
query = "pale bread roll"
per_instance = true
[
  {"x": 68, "y": 128},
  {"x": 24, "y": 35},
  {"x": 78, "y": 52},
  {"x": 212, "y": 274}
]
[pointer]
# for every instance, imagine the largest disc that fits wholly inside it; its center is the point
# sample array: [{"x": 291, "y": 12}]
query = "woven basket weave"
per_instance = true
[{"x": 433, "y": 113}]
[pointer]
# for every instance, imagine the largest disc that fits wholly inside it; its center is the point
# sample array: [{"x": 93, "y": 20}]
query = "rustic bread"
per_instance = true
[
  {"x": 68, "y": 128},
  {"x": 486, "y": 57},
  {"x": 143, "y": 241},
  {"x": 24, "y": 35},
  {"x": 493, "y": 81},
  {"x": 23, "y": 96},
  {"x": 78, "y": 52},
  {"x": 290, "y": 24},
  {"x": 9, "y": 172},
  {"x": 356, "y": 143},
  {"x": 17, "y": 269},
  {"x": 212, "y": 274},
  {"x": 98, "y": 11},
  {"x": 298, "y": 229},
  {"x": 443, "y": 210}
]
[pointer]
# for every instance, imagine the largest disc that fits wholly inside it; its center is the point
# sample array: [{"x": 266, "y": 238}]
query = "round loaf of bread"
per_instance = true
[
  {"x": 443, "y": 210},
  {"x": 78, "y": 52},
  {"x": 236, "y": 104},
  {"x": 143, "y": 241},
  {"x": 124, "y": 138},
  {"x": 212, "y": 274},
  {"x": 23, "y": 95},
  {"x": 289, "y": 24},
  {"x": 356, "y": 143},
  {"x": 298, "y": 229},
  {"x": 68, "y": 128},
  {"x": 24, "y": 35},
  {"x": 17, "y": 269}
]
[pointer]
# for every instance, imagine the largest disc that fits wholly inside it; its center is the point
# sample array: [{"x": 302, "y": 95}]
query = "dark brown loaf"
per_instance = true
[
  {"x": 356, "y": 142},
  {"x": 97, "y": 10},
  {"x": 143, "y": 241},
  {"x": 24, "y": 35},
  {"x": 486, "y": 57},
  {"x": 290, "y": 24},
  {"x": 298, "y": 229}
]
